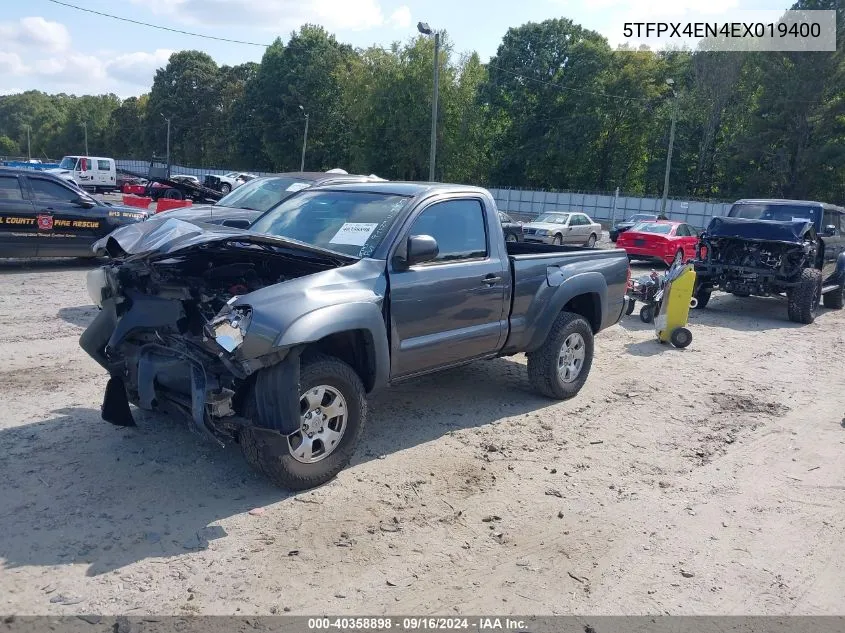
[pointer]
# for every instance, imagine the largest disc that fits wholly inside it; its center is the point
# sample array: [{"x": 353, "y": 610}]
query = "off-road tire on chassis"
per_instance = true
[
  {"x": 803, "y": 299},
  {"x": 268, "y": 452},
  {"x": 702, "y": 296},
  {"x": 544, "y": 363}
]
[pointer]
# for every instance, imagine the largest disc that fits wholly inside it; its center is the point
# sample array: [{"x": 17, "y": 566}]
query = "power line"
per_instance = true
[{"x": 156, "y": 26}]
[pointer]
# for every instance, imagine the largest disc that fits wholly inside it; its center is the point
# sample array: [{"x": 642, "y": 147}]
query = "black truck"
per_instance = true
[
  {"x": 273, "y": 337},
  {"x": 776, "y": 247}
]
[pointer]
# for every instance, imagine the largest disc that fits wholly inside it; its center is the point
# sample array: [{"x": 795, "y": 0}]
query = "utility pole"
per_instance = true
[
  {"x": 168, "y": 141},
  {"x": 671, "y": 83},
  {"x": 425, "y": 29},
  {"x": 304, "y": 141},
  {"x": 28, "y": 144},
  {"x": 85, "y": 127}
]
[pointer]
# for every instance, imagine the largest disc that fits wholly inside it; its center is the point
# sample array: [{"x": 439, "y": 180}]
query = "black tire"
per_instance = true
[
  {"x": 629, "y": 310},
  {"x": 613, "y": 238},
  {"x": 511, "y": 238},
  {"x": 173, "y": 194},
  {"x": 835, "y": 299},
  {"x": 558, "y": 240},
  {"x": 543, "y": 364},
  {"x": 269, "y": 452},
  {"x": 680, "y": 337},
  {"x": 225, "y": 188},
  {"x": 803, "y": 299},
  {"x": 703, "y": 298},
  {"x": 591, "y": 241},
  {"x": 647, "y": 313}
]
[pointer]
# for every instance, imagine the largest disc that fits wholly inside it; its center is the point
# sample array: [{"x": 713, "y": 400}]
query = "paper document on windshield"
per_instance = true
[
  {"x": 298, "y": 186},
  {"x": 354, "y": 233}
]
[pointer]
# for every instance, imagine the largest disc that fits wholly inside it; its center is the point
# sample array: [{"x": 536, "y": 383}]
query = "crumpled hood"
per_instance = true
[
  {"x": 764, "y": 230},
  {"x": 163, "y": 236}
]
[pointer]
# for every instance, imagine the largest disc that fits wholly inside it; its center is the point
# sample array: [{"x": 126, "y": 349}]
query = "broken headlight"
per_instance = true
[
  {"x": 98, "y": 285},
  {"x": 228, "y": 329}
]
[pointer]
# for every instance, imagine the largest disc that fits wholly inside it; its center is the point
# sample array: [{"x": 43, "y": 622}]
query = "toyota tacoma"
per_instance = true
[{"x": 274, "y": 337}]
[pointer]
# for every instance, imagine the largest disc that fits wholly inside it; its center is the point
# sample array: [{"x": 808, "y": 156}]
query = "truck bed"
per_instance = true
[{"x": 546, "y": 275}]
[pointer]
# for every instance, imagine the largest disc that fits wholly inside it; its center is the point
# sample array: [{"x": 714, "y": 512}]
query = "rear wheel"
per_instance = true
[
  {"x": 835, "y": 299},
  {"x": 629, "y": 310},
  {"x": 510, "y": 238},
  {"x": 560, "y": 367},
  {"x": 173, "y": 194},
  {"x": 679, "y": 258},
  {"x": 803, "y": 299},
  {"x": 333, "y": 411},
  {"x": 591, "y": 242}
]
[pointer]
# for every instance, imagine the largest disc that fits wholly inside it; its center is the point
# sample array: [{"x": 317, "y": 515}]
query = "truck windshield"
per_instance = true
[
  {"x": 341, "y": 221},
  {"x": 69, "y": 163},
  {"x": 777, "y": 212},
  {"x": 262, "y": 194},
  {"x": 553, "y": 218}
]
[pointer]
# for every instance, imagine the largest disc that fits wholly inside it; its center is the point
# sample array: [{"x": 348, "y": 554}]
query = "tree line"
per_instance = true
[{"x": 555, "y": 108}]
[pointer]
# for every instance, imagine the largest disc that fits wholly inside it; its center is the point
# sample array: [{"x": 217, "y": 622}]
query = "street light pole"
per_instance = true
[
  {"x": 304, "y": 141},
  {"x": 28, "y": 144},
  {"x": 168, "y": 140},
  {"x": 425, "y": 29},
  {"x": 670, "y": 82},
  {"x": 85, "y": 127}
]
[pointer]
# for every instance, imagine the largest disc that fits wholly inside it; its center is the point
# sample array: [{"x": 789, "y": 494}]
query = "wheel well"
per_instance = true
[
  {"x": 588, "y": 306},
  {"x": 355, "y": 348}
]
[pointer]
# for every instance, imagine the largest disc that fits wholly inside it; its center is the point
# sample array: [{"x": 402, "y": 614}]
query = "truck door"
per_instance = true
[
  {"x": 451, "y": 309},
  {"x": 18, "y": 227},
  {"x": 833, "y": 240}
]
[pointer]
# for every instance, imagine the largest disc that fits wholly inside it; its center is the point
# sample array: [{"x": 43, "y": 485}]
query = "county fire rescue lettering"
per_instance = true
[{"x": 47, "y": 223}]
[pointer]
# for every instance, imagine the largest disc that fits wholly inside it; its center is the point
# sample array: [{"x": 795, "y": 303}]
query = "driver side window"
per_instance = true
[
  {"x": 831, "y": 219},
  {"x": 457, "y": 226},
  {"x": 48, "y": 191}
]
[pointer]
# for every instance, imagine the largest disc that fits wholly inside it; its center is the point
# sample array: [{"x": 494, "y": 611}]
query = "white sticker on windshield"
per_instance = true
[
  {"x": 298, "y": 186},
  {"x": 799, "y": 219},
  {"x": 354, "y": 233}
]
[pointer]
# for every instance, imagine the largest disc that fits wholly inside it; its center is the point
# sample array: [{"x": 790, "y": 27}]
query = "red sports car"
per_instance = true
[{"x": 666, "y": 240}]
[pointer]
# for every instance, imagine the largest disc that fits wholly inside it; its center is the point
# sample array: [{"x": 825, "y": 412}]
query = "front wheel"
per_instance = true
[
  {"x": 803, "y": 299},
  {"x": 558, "y": 240},
  {"x": 225, "y": 187},
  {"x": 679, "y": 258},
  {"x": 560, "y": 367},
  {"x": 647, "y": 314},
  {"x": 629, "y": 310},
  {"x": 591, "y": 242},
  {"x": 333, "y": 410}
]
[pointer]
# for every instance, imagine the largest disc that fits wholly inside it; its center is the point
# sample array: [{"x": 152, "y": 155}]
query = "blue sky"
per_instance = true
[{"x": 59, "y": 49}]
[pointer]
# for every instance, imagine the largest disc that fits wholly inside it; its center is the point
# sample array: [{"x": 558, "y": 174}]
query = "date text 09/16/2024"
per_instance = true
[{"x": 415, "y": 624}]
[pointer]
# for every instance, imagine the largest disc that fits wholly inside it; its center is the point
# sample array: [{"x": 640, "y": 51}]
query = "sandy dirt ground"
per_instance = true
[{"x": 699, "y": 481}]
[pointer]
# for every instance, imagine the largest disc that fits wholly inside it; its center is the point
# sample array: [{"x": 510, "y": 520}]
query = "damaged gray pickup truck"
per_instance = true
[{"x": 273, "y": 337}]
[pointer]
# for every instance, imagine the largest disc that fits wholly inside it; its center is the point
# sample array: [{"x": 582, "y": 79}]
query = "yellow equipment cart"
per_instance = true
[{"x": 675, "y": 304}]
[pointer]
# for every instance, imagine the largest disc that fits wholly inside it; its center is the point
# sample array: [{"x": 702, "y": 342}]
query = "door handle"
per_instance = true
[{"x": 491, "y": 279}]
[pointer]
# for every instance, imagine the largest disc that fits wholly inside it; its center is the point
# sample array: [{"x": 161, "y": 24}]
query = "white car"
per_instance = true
[
  {"x": 227, "y": 182},
  {"x": 563, "y": 227}
]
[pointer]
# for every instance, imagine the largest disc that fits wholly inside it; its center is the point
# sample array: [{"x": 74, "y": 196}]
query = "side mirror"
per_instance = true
[
  {"x": 236, "y": 224},
  {"x": 417, "y": 249},
  {"x": 830, "y": 229},
  {"x": 83, "y": 202}
]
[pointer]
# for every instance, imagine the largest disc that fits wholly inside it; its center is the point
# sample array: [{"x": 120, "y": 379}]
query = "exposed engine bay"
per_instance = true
[
  {"x": 172, "y": 334},
  {"x": 731, "y": 257}
]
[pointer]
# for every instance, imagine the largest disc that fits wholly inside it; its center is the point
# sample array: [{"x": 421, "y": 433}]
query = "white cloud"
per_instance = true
[
  {"x": 279, "y": 16},
  {"x": 35, "y": 32},
  {"x": 138, "y": 68},
  {"x": 11, "y": 64},
  {"x": 401, "y": 18}
]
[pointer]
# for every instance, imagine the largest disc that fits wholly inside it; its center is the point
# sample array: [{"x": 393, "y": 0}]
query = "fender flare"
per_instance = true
[
  {"x": 346, "y": 317},
  {"x": 586, "y": 283}
]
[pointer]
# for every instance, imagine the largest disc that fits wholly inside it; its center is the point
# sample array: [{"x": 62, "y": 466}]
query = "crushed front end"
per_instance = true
[
  {"x": 176, "y": 332},
  {"x": 755, "y": 257}
]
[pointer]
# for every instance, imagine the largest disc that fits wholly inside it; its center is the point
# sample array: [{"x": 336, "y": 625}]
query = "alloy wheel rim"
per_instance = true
[
  {"x": 570, "y": 361},
  {"x": 323, "y": 421}
]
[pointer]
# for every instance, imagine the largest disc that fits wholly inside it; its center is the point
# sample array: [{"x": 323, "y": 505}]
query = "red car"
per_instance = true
[{"x": 666, "y": 240}]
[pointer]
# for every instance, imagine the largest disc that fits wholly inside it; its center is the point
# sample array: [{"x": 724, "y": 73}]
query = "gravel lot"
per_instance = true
[{"x": 699, "y": 481}]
